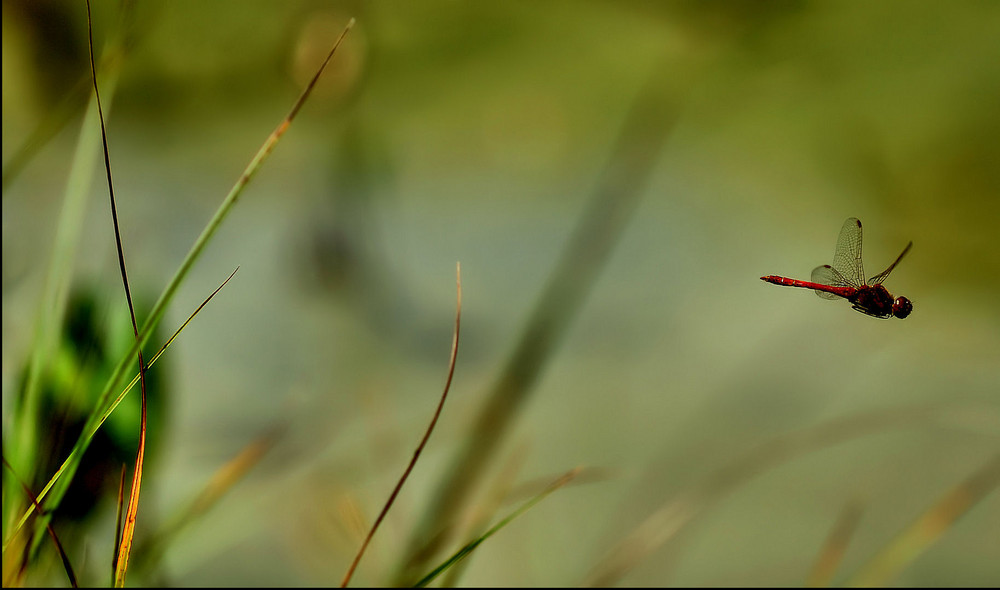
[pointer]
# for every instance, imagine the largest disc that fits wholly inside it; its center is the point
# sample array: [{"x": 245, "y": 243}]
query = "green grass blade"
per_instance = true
[
  {"x": 60, "y": 482},
  {"x": 128, "y": 529},
  {"x": 470, "y": 547},
  {"x": 616, "y": 195},
  {"x": 68, "y": 466},
  {"x": 21, "y": 447},
  {"x": 67, "y": 566}
]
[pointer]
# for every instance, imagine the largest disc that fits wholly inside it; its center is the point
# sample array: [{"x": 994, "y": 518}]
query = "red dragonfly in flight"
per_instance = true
[{"x": 846, "y": 278}]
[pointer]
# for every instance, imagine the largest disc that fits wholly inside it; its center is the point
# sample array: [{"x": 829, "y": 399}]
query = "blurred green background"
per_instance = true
[{"x": 477, "y": 132}]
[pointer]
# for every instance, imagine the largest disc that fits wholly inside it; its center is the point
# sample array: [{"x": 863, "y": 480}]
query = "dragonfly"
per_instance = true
[{"x": 846, "y": 278}]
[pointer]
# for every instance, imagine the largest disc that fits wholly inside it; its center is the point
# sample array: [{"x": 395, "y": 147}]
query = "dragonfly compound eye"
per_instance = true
[{"x": 901, "y": 307}]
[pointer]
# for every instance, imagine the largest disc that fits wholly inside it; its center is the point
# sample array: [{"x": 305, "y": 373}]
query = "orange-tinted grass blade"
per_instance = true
[
  {"x": 75, "y": 452},
  {"x": 833, "y": 550},
  {"x": 123, "y": 548},
  {"x": 928, "y": 528},
  {"x": 67, "y": 566},
  {"x": 229, "y": 474},
  {"x": 469, "y": 548},
  {"x": 118, "y": 524},
  {"x": 222, "y": 481},
  {"x": 427, "y": 434},
  {"x": 15, "y": 561},
  {"x": 128, "y": 530},
  {"x": 584, "y": 475},
  {"x": 272, "y": 140},
  {"x": 133, "y": 504}
]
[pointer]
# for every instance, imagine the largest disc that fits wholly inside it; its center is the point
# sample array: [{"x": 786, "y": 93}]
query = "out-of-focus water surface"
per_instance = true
[{"x": 476, "y": 132}]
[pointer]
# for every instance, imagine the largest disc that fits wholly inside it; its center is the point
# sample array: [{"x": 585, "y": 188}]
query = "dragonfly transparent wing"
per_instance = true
[
  {"x": 827, "y": 275},
  {"x": 847, "y": 258},
  {"x": 877, "y": 279}
]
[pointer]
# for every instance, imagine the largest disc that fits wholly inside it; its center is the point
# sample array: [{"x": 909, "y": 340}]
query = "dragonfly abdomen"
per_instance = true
[{"x": 846, "y": 292}]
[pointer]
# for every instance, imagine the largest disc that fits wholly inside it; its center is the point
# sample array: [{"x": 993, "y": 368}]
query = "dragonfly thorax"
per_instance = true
[{"x": 876, "y": 301}]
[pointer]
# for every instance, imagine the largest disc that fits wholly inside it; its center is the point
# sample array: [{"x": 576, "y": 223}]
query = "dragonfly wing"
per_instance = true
[
  {"x": 847, "y": 258},
  {"x": 827, "y": 275},
  {"x": 877, "y": 279}
]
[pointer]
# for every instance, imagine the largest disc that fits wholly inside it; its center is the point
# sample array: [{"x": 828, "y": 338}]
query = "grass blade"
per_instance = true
[
  {"x": 928, "y": 528},
  {"x": 679, "y": 511},
  {"x": 58, "y": 484},
  {"x": 647, "y": 126},
  {"x": 67, "y": 566},
  {"x": 833, "y": 550},
  {"x": 423, "y": 441},
  {"x": 222, "y": 481},
  {"x": 469, "y": 548},
  {"x": 583, "y": 475},
  {"x": 486, "y": 511},
  {"x": 128, "y": 530},
  {"x": 21, "y": 445},
  {"x": 123, "y": 39},
  {"x": 74, "y": 456}
]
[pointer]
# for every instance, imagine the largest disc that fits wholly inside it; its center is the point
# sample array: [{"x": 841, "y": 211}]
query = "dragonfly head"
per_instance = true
[{"x": 901, "y": 307}]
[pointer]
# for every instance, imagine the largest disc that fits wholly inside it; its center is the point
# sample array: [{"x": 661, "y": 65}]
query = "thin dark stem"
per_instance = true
[
  {"x": 133, "y": 504},
  {"x": 423, "y": 441},
  {"x": 617, "y": 193}
]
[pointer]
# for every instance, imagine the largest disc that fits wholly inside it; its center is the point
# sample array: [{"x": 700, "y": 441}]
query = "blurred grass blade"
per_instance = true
[
  {"x": 680, "y": 510},
  {"x": 46, "y": 129},
  {"x": 78, "y": 449},
  {"x": 223, "y": 211},
  {"x": 60, "y": 482},
  {"x": 427, "y": 433},
  {"x": 160, "y": 306},
  {"x": 67, "y": 566},
  {"x": 227, "y": 476},
  {"x": 647, "y": 126},
  {"x": 122, "y": 39},
  {"x": 469, "y": 548},
  {"x": 486, "y": 511},
  {"x": 833, "y": 550},
  {"x": 583, "y": 475},
  {"x": 928, "y": 528},
  {"x": 21, "y": 446}
]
